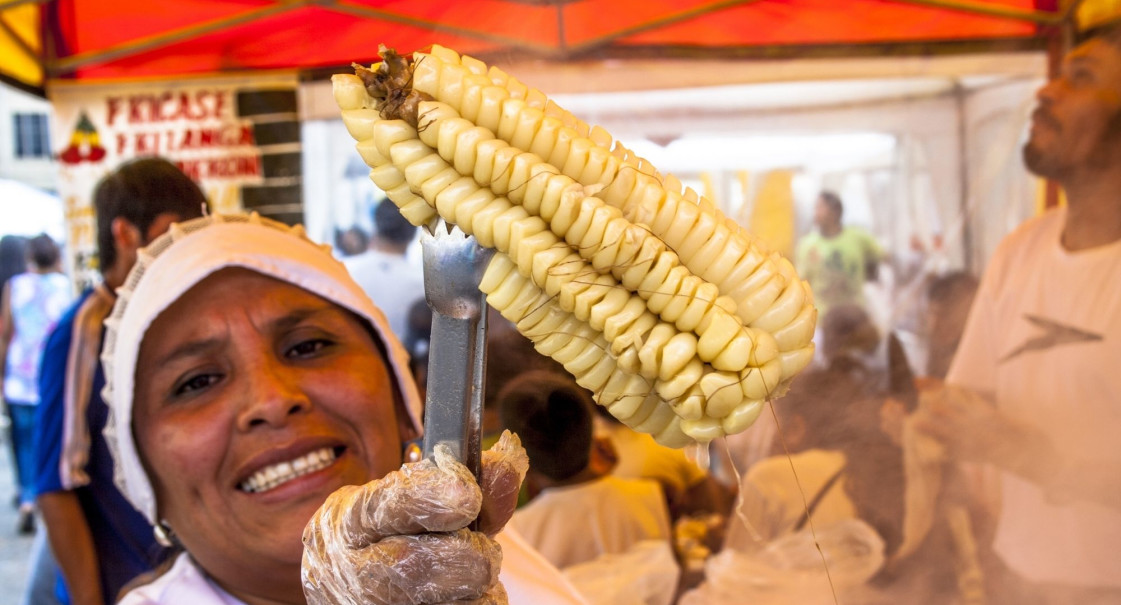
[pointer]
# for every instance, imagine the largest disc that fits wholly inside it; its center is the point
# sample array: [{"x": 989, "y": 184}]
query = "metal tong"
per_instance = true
[{"x": 453, "y": 268}]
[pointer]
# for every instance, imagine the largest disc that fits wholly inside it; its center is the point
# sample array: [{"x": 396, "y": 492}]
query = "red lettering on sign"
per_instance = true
[
  {"x": 242, "y": 166},
  {"x": 113, "y": 108},
  {"x": 134, "y": 107}
]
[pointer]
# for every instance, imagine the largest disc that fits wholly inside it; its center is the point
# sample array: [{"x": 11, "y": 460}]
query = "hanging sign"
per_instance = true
[{"x": 239, "y": 138}]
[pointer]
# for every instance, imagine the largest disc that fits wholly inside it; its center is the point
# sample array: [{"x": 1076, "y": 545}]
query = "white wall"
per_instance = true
[{"x": 41, "y": 173}]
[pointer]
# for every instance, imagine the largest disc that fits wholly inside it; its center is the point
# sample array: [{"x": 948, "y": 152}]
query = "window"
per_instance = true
[{"x": 32, "y": 139}]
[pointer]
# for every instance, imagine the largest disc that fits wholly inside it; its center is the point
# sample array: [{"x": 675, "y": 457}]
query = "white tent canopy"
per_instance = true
[{"x": 917, "y": 146}]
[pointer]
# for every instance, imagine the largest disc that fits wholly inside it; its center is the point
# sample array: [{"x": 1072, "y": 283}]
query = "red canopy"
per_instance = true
[{"x": 99, "y": 39}]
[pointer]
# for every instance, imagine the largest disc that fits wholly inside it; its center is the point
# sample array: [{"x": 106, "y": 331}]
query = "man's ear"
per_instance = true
[
  {"x": 125, "y": 235},
  {"x": 604, "y": 457}
]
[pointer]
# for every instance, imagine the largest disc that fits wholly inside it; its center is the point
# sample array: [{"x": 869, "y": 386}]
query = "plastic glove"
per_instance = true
[{"x": 401, "y": 540}]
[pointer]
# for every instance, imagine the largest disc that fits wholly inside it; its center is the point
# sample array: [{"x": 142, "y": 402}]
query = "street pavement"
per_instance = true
[{"x": 13, "y": 547}]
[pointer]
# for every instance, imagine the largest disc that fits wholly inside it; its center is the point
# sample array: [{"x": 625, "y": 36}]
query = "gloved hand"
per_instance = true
[{"x": 401, "y": 540}]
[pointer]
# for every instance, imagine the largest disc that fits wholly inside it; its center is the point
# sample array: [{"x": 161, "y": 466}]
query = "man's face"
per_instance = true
[
  {"x": 1077, "y": 125},
  {"x": 824, "y": 215}
]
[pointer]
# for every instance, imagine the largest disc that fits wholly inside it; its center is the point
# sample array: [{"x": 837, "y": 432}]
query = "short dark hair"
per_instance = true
[
  {"x": 832, "y": 200},
  {"x": 42, "y": 251},
  {"x": 391, "y": 225},
  {"x": 139, "y": 191},
  {"x": 553, "y": 417}
]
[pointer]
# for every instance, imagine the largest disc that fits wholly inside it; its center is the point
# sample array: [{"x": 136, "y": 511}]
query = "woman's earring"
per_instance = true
[
  {"x": 164, "y": 536},
  {"x": 412, "y": 452}
]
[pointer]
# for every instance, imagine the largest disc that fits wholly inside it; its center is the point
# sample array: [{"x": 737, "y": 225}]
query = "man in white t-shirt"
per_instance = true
[{"x": 1042, "y": 343}]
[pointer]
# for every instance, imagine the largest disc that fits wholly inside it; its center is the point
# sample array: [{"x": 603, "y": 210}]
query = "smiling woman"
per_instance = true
[
  {"x": 253, "y": 387},
  {"x": 241, "y": 394}
]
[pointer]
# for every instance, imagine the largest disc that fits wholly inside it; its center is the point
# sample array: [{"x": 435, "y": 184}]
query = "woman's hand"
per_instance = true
[{"x": 403, "y": 540}]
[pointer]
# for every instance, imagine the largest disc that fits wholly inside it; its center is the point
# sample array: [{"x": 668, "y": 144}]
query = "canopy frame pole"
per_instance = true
[
  {"x": 139, "y": 45},
  {"x": 6, "y": 4},
  {"x": 965, "y": 6},
  {"x": 1070, "y": 13},
  {"x": 677, "y": 17},
  {"x": 368, "y": 12},
  {"x": 964, "y": 178},
  {"x": 562, "y": 43}
]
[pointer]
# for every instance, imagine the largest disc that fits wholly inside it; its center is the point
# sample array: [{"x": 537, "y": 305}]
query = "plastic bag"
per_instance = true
[
  {"x": 646, "y": 574},
  {"x": 790, "y": 569},
  {"x": 401, "y": 540}
]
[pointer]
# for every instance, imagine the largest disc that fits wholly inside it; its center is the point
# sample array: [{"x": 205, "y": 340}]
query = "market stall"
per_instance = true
[{"x": 935, "y": 77}]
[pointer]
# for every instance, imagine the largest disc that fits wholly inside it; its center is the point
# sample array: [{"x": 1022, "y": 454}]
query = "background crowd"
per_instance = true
[{"x": 961, "y": 455}]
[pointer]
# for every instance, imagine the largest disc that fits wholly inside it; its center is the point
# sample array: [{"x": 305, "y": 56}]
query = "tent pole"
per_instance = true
[
  {"x": 981, "y": 8},
  {"x": 963, "y": 175},
  {"x": 562, "y": 44},
  {"x": 6, "y": 4},
  {"x": 369, "y": 12},
  {"x": 670, "y": 19},
  {"x": 139, "y": 45}
]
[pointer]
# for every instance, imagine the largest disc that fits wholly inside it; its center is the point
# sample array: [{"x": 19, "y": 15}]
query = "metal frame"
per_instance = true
[
  {"x": 562, "y": 50},
  {"x": 65, "y": 65},
  {"x": 990, "y": 10}
]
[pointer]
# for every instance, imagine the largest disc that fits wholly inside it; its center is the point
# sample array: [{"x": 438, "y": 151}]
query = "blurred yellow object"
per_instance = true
[
  {"x": 772, "y": 214},
  {"x": 20, "y": 45},
  {"x": 1092, "y": 13}
]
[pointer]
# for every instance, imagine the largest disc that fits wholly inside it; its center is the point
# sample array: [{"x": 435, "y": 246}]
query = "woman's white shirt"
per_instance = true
[
  {"x": 527, "y": 576},
  {"x": 183, "y": 583}
]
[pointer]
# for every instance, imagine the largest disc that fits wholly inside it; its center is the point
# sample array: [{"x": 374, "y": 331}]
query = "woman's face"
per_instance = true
[{"x": 255, "y": 400}]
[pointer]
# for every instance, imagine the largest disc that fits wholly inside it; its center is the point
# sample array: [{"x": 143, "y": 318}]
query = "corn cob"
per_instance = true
[{"x": 674, "y": 317}]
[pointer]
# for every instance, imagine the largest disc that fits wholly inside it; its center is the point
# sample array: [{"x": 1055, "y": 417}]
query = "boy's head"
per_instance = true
[
  {"x": 143, "y": 196},
  {"x": 43, "y": 252},
  {"x": 553, "y": 417}
]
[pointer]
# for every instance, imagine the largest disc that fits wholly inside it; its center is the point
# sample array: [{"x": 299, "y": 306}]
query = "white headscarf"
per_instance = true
[{"x": 181, "y": 258}]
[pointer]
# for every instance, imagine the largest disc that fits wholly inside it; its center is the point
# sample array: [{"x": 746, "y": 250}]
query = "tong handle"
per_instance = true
[
  {"x": 453, "y": 410},
  {"x": 453, "y": 414}
]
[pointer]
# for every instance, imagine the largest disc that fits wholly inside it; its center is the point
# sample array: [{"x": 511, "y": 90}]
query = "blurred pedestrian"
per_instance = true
[
  {"x": 30, "y": 306},
  {"x": 383, "y": 271},
  {"x": 13, "y": 261},
  {"x": 836, "y": 259}
]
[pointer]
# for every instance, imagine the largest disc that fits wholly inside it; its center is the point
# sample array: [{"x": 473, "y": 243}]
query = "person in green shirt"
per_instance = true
[{"x": 836, "y": 260}]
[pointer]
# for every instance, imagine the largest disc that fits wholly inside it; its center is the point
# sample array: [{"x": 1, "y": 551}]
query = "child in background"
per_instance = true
[{"x": 578, "y": 510}]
